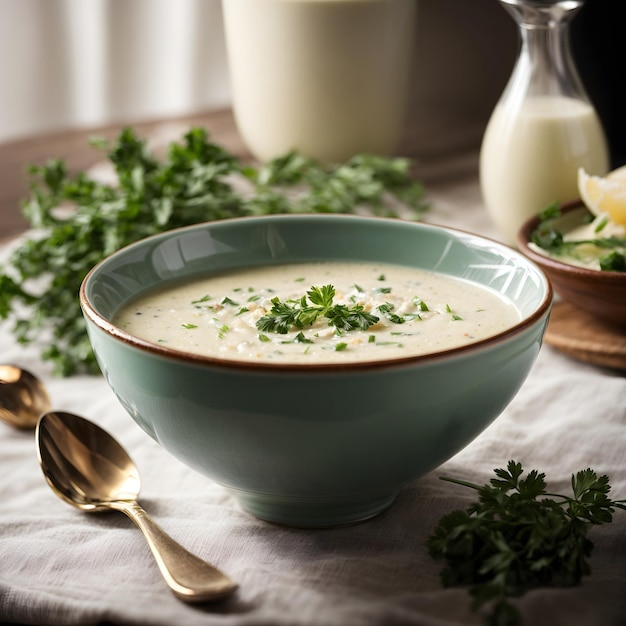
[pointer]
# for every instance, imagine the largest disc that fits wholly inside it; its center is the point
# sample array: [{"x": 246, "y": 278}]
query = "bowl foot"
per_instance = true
[{"x": 314, "y": 512}]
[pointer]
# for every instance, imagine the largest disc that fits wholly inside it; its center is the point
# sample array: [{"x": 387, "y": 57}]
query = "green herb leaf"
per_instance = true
[
  {"x": 201, "y": 300},
  {"x": 550, "y": 239},
  {"x": 614, "y": 262},
  {"x": 228, "y": 301},
  {"x": 284, "y": 316},
  {"x": 322, "y": 296},
  {"x": 517, "y": 536},
  {"x": 301, "y": 338},
  {"x": 387, "y": 310}
]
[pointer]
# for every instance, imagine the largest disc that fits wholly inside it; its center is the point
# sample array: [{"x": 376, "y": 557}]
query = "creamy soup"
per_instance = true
[{"x": 318, "y": 313}]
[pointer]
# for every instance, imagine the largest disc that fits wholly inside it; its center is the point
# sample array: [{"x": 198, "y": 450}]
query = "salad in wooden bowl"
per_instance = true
[{"x": 581, "y": 246}]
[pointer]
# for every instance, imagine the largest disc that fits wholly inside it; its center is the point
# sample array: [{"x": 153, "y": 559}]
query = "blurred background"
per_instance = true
[{"x": 68, "y": 64}]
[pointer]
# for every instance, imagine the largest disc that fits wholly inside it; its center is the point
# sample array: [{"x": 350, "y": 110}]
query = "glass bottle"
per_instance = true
[{"x": 544, "y": 126}]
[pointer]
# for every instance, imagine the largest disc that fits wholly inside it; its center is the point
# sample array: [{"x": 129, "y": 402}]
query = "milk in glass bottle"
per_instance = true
[{"x": 544, "y": 127}]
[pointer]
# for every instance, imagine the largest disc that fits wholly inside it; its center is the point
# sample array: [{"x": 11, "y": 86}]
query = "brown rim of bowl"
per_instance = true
[
  {"x": 179, "y": 355},
  {"x": 560, "y": 267}
]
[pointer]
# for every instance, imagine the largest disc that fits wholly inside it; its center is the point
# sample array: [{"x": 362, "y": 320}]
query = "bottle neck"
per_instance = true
[
  {"x": 551, "y": 69},
  {"x": 545, "y": 65},
  {"x": 542, "y": 13}
]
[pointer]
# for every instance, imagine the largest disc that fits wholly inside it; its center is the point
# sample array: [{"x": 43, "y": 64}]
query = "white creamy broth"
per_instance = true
[{"x": 418, "y": 312}]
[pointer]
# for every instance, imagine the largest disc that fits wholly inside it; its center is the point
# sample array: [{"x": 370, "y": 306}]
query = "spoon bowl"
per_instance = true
[
  {"x": 83, "y": 464},
  {"x": 23, "y": 397},
  {"x": 86, "y": 467}
]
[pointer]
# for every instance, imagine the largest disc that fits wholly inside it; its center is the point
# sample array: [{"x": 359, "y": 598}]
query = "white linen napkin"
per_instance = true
[{"x": 60, "y": 566}]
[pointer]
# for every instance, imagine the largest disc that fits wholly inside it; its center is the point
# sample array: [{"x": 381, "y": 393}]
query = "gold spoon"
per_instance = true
[
  {"x": 88, "y": 468},
  {"x": 23, "y": 397}
]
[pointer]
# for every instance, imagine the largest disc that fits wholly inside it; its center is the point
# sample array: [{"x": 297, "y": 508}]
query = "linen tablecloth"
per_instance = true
[{"x": 61, "y": 566}]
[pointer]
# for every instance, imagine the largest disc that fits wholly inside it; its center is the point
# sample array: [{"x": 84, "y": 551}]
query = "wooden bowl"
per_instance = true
[{"x": 603, "y": 294}]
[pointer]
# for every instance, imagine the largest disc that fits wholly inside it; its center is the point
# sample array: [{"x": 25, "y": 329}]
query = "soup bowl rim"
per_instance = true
[{"x": 108, "y": 327}]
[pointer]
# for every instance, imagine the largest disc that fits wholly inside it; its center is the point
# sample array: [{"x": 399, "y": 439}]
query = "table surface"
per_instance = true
[{"x": 60, "y": 566}]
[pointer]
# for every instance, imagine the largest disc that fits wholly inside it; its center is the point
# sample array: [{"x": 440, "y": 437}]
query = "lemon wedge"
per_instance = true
[{"x": 605, "y": 195}]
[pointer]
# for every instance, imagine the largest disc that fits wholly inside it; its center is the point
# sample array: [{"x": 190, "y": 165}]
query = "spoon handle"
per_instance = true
[{"x": 188, "y": 576}]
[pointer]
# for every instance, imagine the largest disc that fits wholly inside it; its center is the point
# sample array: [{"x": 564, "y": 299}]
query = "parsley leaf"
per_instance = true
[
  {"x": 281, "y": 318},
  {"x": 387, "y": 310},
  {"x": 350, "y": 318},
  {"x": 285, "y": 315},
  {"x": 364, "y": 179},
  {"x": 322, "y": 296},
  {"x": 517, "y": 536}
]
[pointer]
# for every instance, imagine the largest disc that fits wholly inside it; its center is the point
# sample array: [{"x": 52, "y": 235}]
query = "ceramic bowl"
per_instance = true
[
  {"x": 603, "y": 294},
  {"x": 326, "y": 445}
]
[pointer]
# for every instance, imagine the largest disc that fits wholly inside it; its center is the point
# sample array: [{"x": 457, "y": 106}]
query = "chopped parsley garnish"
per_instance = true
[
  {"x": 413, "y": 316},
  {"x": 203, "y": 299},
  {"x": 286, "y": 315},
  {"x": 299, "y": 338},
  {"x": 421, "y": 304},
  {"x": 387, "y": 310},
  {"x": 190, "y": 326},
  {"x": 227, "y": 300},
  {"x": 452, "y": 313}
]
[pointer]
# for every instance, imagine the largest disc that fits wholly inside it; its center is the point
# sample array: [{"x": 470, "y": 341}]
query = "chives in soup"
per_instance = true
[{"x": 327, "y": 312}]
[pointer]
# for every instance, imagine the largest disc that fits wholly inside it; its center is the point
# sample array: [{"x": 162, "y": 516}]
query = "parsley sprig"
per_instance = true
[
  {"x": 518, "y": 536},
  {"x": 287, "y": 314},
  {"x": 194, "y": 182}
]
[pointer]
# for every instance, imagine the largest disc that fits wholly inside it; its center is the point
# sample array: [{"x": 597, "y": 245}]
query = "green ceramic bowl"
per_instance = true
[{"x": 325, "y": 445}]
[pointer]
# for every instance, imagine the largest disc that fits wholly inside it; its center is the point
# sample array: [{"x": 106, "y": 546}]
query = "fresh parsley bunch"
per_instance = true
[
  {"x": 517, "y": 537},
  {"x": 193, "y": 183}
]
